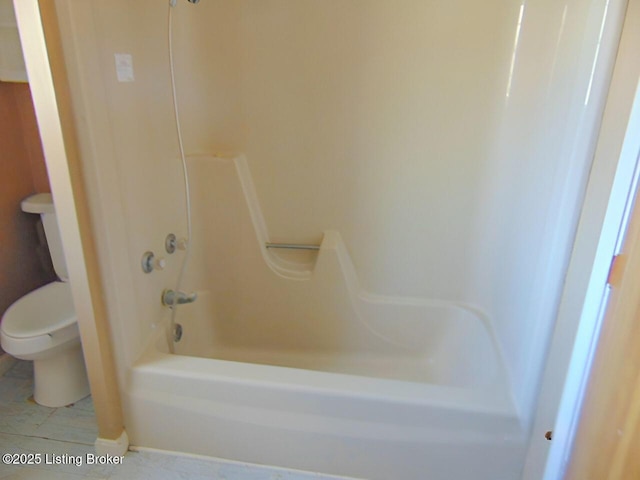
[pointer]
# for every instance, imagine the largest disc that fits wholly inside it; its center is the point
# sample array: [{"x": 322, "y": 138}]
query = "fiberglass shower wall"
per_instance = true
[{"x": 447, "y": 141}]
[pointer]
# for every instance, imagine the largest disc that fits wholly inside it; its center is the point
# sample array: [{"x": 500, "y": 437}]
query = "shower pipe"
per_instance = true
[{"x": 174, "y": 329}]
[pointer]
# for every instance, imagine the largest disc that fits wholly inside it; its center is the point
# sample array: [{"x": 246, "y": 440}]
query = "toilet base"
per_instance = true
[{"x": 60, "y": 379}]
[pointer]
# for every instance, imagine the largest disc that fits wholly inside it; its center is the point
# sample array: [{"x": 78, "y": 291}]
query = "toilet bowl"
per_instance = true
[{"x": 42, "y": 326}]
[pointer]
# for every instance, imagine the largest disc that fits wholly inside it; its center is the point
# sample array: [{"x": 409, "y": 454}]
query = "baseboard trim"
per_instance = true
[{"x": 115, "y": 448}]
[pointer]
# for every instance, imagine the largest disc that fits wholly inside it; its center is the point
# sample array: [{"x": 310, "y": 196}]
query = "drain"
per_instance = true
[{"x": 177, "y": 332}]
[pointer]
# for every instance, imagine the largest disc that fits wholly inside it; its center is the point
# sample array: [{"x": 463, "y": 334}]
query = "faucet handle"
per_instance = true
[
  {"x": 150, "y": 262},
  {"x": 171, "y": 243}
]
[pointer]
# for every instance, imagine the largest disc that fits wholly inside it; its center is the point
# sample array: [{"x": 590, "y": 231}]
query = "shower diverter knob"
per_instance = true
[
  {"x": 172, "y": 243},
  {"x": 150, "y": 262}
]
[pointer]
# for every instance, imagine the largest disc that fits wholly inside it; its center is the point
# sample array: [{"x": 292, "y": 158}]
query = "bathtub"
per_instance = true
[
  {"x": 286, "y": 360},
  {"x": 333, "y": 423}
]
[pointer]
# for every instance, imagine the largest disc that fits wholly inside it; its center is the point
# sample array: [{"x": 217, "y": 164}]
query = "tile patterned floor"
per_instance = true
[{"x": 26, "y": 427}]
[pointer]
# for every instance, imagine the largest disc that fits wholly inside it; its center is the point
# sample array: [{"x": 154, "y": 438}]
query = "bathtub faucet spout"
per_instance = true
[{"x": 171, "y": 298}]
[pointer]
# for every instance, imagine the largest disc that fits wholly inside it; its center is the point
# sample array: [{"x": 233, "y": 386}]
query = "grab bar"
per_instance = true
[{"x": 292, "y": 246}]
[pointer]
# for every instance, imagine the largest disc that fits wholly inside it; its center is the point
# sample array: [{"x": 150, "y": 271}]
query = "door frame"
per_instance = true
[{"x": 612, "y": 184}]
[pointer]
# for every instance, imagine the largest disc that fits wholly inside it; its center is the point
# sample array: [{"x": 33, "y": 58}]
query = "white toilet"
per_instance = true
[{"x": 42, "y": 326}]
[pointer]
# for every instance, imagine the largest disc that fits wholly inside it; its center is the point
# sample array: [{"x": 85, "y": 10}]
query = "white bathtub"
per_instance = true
[
  {"x": 333, "y": 423},
  {"x": 286, "y": 360}
]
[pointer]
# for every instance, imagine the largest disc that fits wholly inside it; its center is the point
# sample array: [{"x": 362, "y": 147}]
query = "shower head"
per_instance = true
[
  {"x": 193, "y": 1},
  {"x": 174, "y": 2}
]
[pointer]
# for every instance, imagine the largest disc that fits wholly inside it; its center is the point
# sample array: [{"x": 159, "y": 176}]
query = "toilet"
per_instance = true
[{"x": 42, "y": 326}]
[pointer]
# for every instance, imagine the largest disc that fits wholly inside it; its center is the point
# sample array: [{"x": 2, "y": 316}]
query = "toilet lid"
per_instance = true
[{"x": 40, "y": 312}]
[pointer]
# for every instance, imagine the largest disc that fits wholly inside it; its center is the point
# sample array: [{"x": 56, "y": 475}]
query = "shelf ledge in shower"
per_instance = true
[{"x": 292, "y": 246}]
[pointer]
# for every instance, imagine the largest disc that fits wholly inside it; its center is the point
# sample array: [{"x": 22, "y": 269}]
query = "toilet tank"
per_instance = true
[{"x": 42, "y": 204}]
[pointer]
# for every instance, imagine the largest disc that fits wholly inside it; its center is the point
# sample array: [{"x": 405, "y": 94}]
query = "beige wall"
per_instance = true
[
  {"x": 365, "y": 124},
  {"x": 452, "y": 162},
  {"x": 135, "y": 173},
  {"x": 24, "y": 258}
]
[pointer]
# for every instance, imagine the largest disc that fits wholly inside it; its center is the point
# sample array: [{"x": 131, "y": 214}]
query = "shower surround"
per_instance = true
[{"x": 437, "y": 152}]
